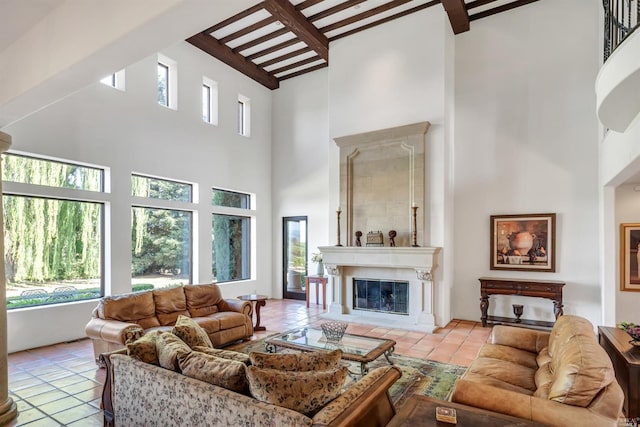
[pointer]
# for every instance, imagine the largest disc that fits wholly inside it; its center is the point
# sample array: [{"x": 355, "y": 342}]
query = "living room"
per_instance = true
[{"x": 514, "y": 130}]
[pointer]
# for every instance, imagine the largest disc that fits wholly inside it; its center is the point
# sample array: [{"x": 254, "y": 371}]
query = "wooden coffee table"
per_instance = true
[
  {"x": 420, "y": 411},
  {"x": 356, "y": 348}
]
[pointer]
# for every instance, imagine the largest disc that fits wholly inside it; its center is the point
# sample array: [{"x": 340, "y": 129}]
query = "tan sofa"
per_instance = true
[
  {"x": 122, "y": 318},
  {"x": 138, "y": 393},
  {"x": 558, "y": 378}
]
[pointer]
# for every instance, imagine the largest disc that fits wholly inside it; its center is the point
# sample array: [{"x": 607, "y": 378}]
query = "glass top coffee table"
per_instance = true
[{"x": 356, "y": 348}]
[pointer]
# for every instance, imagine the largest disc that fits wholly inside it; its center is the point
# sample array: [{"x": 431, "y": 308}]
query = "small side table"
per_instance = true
[
  {"x": 319, "y": 281},
  {"x": 260, "y": 301}
]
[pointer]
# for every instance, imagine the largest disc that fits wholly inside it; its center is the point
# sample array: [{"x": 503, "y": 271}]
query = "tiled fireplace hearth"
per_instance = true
[{"x": 411, "y": 265}]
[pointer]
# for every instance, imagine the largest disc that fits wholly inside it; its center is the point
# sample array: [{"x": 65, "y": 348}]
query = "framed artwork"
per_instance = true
[
  {"x": 629, "y": 257},
  {"x": 524, "y": 242}
]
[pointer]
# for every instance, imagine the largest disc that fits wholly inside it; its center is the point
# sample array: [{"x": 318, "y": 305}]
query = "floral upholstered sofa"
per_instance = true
[
  {"x": 122, "y": 318},
  {"x": 169, "y": 383}
]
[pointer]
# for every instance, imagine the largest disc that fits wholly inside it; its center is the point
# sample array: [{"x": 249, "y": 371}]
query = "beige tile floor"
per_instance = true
[{"x": 61, "y": 385}]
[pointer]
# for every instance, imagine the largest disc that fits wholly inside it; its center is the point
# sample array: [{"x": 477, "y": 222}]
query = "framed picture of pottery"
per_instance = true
[
  {"x": 629, "y": 257},
  {"x": 524, "y": 242}
]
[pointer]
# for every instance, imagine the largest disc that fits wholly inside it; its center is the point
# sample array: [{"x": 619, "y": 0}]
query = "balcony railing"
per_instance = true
[{"x": 621, "y": 18}]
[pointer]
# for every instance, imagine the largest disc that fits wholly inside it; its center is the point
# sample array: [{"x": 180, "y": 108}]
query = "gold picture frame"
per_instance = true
[
  {"x": 524, "y": 242},
  {"x": 629, "y": 257}
]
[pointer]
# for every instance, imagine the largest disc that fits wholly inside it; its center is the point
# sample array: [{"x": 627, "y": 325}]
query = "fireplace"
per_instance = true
[{"x": 385, "y": 296}]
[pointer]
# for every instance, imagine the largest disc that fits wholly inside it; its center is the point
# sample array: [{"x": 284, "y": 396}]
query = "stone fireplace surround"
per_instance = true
[
  {"x": 415, "y": 265},
  {"x": 382, "y": 178}
]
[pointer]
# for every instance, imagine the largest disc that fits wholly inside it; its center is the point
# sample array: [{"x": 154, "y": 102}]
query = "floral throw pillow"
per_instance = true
[
  {"x": 315, "y": 360},
  {"x": 169, "y": 347},
  {"x": 144, "y": 348},
  {"x": 191, "y": 333},
  {"x": 304, "y": 392},
  {"x": 226, "y": 373},
  {"x": 225, "y": 354}
]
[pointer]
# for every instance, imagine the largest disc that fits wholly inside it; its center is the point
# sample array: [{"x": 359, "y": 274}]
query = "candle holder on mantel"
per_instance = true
[
  {"x": 339, "y": 211},
  {"x": 414, "y": 208}
]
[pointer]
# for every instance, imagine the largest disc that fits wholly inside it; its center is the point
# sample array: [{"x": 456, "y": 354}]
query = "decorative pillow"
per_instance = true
[
  {"x": 305, "y": 392},
  {"x": 312, "y": 361},
  {"x": 169, "y": 347},
  {"x": 225, "y": 354},
  {"x": 191, "y": 333},
  {"x": 226, "y": 373},
  {"x": 144, "y": 348}
]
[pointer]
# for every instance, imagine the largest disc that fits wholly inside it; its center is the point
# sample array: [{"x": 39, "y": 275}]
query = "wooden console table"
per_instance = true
[
  {"x": 626, "y": 363},
  {"x": 523, "y": 287}
]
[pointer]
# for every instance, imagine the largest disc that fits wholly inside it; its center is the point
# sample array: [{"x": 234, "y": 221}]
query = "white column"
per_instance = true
[
  {"x": 337, "y": 293},
  {"x": 426, "y": 318},
  {"x": 8, "y": 409}
]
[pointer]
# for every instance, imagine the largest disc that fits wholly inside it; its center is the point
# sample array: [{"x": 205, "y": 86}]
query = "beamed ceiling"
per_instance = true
[{"x": 280, "y": 39}]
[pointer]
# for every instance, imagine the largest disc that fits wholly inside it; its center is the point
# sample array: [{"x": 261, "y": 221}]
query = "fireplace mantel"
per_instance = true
[
  {"x": 414, "y": 264},
  {"x": 376, "y": 256}
]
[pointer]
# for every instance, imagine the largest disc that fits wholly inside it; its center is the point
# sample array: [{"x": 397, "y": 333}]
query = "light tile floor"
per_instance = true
[{"x": 61, "y": 385}]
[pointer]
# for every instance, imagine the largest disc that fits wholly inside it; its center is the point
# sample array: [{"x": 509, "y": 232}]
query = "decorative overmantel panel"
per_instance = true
[
  {"x": 415, "y": 265},
  {"x": 382, "y": 175}
]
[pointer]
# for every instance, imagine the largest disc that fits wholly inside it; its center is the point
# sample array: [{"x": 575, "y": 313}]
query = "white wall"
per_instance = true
[
  {"x": 627, "y": 206},
  {"x": 527, "y": 141},
  {"x": 301, "y": 164},
  {"x": 129, "y": 132}
]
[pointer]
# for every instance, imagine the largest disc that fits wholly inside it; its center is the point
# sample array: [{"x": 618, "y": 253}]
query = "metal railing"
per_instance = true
[{"x": 621, "y": 18}]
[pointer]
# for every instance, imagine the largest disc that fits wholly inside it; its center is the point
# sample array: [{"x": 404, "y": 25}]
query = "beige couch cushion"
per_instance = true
[
  {"x": 226, "y": 373},
  {"x": 170, "y": 303},
  {"x": 169, "y": 347},
  {"x": 315, "y": 360},
  {"x": 134, "y": 308},
  {"x": 305, "y": 392},
  {"x": 202, "y": 300},
  {"x": 191, "y": 333}
]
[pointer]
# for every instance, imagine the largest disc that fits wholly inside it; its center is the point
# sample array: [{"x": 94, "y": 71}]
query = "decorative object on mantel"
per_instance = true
[
  {"x": 358, "y": 236},
  {"x": 633, "y": 330},
  {"x": 339, "y": 211},
  {"x": 375, "y": 238},
  {"x": 523, "y": 242},
  {"x": 392, "y": 237},
  {"x": 629, "y": 257},
  {"x": 414, "y": 208},
  {"x": 333, "y": 330}
]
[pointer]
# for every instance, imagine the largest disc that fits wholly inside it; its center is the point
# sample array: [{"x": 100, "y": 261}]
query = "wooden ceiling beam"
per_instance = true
[
  {"x": 258, "y": 7},
  {"x": 222, "y": 52},
  {"x": 297, "y": 23},
  {"x": 386, "y": 19},
  {"x": 500, "y": 9},
  {"x": 284, "y": 57},
  {"x": 335, "y": 9},
  {"x": 294, "y": 65},
  {"x": 247, "y": 30},
  {"x": 305, "y": 71},
  {"x": 364, "y": 15},
  {"x": 273, "y": 48},
  {"x": 458, "y": 15},
  {"x": 260, "y": 40},
  {"x": 478, "y": 3}
]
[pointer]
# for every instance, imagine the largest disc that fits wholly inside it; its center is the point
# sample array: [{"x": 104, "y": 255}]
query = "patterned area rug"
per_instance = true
[{"x": 419, "y": 376}]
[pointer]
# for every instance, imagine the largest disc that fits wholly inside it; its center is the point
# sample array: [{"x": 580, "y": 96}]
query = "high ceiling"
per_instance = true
[{"x": 280, "y": 39}]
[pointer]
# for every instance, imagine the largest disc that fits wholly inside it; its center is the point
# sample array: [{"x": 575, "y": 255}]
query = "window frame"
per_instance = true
[
  {"x": 46, "y": 192},
  {"x": 212, "y": 101},
  {"x": 171, "y": 67},
  {"x": 244, "y": 116}
]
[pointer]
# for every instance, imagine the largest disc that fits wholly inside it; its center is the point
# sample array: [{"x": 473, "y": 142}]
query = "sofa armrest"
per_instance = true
[
  {"x": 244, "y": 307},
  {"x": 524, "y": 339},
  {"x": 520, "y": 405},
  {"x": 113, "y": 330},
  {"x": 366, "y": 402},
  {"x": 107, "y": 400}
]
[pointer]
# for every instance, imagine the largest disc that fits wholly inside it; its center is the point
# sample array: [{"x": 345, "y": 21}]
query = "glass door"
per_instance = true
[{"x": 294, "y": 259}]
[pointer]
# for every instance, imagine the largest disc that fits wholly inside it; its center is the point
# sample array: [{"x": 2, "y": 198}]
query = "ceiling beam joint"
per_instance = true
[
  {"x": 458, "y": 15},
  {"x": 297, "y": 23}
]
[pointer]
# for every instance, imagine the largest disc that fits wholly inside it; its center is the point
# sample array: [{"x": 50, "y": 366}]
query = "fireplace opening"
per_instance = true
[{"x": 385, "y": 296}]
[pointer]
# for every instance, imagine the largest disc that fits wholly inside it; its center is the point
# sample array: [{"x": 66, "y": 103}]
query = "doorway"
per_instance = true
[{"x": 294, "y": 259}]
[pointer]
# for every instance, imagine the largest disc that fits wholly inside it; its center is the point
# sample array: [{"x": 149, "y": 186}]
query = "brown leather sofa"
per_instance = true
[
  {"x": 118, "y": 319},
  {"x": 558, "y": 378}
]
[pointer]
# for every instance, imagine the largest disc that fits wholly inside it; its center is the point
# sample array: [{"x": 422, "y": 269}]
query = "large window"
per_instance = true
[
  {"x": 161, "y": 232},
  {"x": 231, "y": 236},
  {"x": 231, "y": 248},
  {"x": 53, "y": 246}
]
